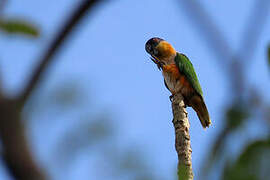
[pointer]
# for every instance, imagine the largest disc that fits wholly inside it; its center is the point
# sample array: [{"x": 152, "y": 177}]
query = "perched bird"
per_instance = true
[{"x": 179, "y": 76}]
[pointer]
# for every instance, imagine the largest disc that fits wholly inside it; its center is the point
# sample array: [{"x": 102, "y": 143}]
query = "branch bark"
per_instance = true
[
  {"x": 16, "y": 153},
  {"x": 182, "y": 138},
  {"x": 60, "y": 38}
]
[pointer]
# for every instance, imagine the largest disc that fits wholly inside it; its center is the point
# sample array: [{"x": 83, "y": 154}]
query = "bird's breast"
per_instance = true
[
  {"x": 175, "y": 81},
  {"x": 172, "y": 76}
]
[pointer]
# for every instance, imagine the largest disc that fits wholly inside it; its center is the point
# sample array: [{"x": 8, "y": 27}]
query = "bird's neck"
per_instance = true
[
  {"x": 169, "y": 60},
  {"x": 166, "y": 52}
]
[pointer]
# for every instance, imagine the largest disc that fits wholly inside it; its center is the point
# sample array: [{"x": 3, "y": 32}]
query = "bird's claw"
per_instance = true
[
  {"x": 171, "y": 97},
  {"x": 185, "y": 103}
]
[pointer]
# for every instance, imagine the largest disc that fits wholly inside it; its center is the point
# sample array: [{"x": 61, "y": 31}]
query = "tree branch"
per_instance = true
[
  {"x": 235, "y": 60},
  {"x": 251, "y": 33},
  {"x": 2, "y": 6},
  {"x": 60, "y": 38},
  {"x": 15, "y": 148},
  {"x": 209, "y": 30},
  {"x": 182, "y": 138},
  {"x": 16, "y": 152},
  {"x": 231, "y": 60}
]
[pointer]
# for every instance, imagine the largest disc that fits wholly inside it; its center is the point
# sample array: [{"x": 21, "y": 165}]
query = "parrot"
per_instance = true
[{"x": 179, "y": 76}]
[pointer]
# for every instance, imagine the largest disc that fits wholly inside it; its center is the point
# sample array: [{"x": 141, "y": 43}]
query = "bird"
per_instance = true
[{"x": 179, "y": 76}]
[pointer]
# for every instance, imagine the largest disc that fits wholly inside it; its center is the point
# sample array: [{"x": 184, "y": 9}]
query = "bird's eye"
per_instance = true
[{"x": 148, "y": 48}]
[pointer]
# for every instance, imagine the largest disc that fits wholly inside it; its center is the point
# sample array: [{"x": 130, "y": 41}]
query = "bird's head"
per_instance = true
[{"x": 161, "y": 51}]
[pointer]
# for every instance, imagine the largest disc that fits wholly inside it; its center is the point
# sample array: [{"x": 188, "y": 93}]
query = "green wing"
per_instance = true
[{"x": 186, "y": 68}]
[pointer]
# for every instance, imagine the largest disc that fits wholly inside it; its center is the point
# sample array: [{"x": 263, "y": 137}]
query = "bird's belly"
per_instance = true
[{"x": 173, "y": 83}]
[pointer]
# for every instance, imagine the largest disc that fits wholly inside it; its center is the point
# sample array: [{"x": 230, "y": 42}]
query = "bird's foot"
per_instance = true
[
  {"x": 171, "y": 97},
  {"x": 185, "y": 102}
]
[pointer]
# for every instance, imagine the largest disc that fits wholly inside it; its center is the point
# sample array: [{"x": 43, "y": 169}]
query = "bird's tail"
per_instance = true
[{"x": 197, "y": 103}]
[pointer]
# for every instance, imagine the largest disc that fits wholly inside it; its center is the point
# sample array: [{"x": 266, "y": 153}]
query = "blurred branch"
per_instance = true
[
  {"x": 60, "y": 38},
  {"x": 234, "y": 61},
  {"x": 215, "y": 38},
  {"x": 268, "y": 55},
  {"x": 182, "y": 138},
  {"x": 248, "y": 46},
  {"x": 253, "y": 31},
  {"x": 2, "y": 6},
  {"x": 1, "y": 84},
  {"x": 208, "y": 29},
  {"x": 16, "y": 152},
  {"x": 235, "y": 117},
  {"x": 217, "y": 41}
]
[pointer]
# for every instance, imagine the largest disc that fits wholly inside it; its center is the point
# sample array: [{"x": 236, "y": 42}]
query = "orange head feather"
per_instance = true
[{"x": 165, "y": 50}]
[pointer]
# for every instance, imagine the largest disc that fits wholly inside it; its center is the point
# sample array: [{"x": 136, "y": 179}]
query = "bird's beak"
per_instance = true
[
  {"x": 157, "y": 62},
  {"x": 154, "y": 60}
]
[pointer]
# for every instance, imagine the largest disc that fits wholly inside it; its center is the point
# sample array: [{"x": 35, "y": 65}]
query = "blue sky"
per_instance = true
[{"x": 106, "y": 56}]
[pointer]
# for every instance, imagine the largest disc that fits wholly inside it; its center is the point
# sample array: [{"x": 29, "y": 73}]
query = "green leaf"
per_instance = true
[
  {"x": 235, "y": 115},
  {"x": 252, "y": 164},
  {"x": 16, "y": 26}
]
